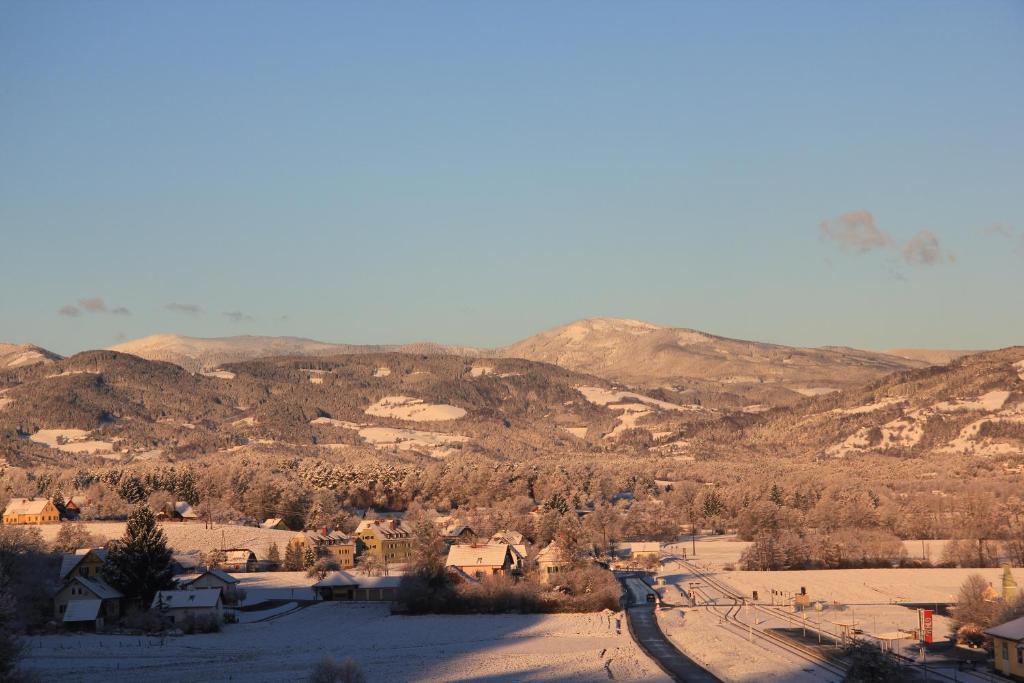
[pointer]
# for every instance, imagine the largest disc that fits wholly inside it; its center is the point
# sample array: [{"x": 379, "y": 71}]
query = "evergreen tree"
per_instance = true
[
  {"x": 293, "y": 558},
  {"x": 139, "y": 563},
  {"x": 309, "y": 557},
  {"x": 776, "y": 495},
  {"x": 11, "y": 647},
  {"x": 273, "y": 554}
]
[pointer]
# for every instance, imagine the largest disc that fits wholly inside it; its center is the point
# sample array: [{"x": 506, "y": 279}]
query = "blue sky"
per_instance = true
[{"x": 800, "y": 172}]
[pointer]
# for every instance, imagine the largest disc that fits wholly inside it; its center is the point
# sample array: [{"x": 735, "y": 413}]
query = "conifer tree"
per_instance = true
[
  {"x": 139, "y": 563},
  {"x": 273, "y": 554},
  {"x": 293, "y": 558}
]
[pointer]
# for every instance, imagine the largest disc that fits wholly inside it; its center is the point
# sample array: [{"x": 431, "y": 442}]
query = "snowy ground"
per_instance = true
[
  {"x": 867, "y": 596},
  {"x": 186, "y": 537},
  {"x": 388, "y": 648},
  {"x": 414, "y": 409}
]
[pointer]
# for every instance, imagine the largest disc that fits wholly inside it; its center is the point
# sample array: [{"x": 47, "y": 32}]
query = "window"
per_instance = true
[{"x": 1006, "y": 651}]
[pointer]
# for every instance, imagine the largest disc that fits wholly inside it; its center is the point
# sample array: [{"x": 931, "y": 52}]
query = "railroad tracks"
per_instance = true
[{"x": 737, "y": 603}]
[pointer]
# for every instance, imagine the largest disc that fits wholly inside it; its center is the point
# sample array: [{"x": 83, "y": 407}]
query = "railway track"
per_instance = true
[{"x": 832, "y": 666}]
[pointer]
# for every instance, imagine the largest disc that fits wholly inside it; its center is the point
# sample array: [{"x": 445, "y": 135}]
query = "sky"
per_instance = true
[{"x": 805, "y": 173}]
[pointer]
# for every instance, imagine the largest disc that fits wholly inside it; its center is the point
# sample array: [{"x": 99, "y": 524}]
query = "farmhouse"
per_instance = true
[
  {"x": 179, "y": 511},
  {"x": 478, "y": 560},
  {"x": 346, "y": 587},
  {"x": 551, "y": 561},
  {"x": 1008, "y": 643},
  {"x": 85, "y": 562},
  {"x": 386, "y": 539},
  {"x": 508, "y": 536},
  {"x": 458, "y": 533},
  {"x": 239, "y": 560},
  {"x": 31, "y": 511},
  {"x": 178, "y": 605},
  {"x": 210, "y": 579},
  {"x": 86, "y": 602},
  {"x": 638, "y": 550},
  {"x": 275, "y": 523},
  {"x": 335, "y": 545}
]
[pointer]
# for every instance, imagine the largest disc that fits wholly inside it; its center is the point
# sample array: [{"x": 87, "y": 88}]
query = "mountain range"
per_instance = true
[{"x": 716, "y": 369}]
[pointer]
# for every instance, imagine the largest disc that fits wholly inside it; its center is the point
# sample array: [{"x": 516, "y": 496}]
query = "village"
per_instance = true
[{"x": 283, "y": 579}]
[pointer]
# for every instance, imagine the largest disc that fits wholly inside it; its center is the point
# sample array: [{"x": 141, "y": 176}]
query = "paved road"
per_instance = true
[{"x": 643, "y": 625}]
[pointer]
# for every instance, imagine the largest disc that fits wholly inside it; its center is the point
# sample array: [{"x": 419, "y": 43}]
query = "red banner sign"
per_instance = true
[{"x": 926, "y": 625}]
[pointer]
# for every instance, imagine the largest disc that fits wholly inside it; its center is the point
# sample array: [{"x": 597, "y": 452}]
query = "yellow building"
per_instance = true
[
  {"x": 31, "y": 511},
  {"x": 551, "y": 560},
  {"x": 1008, "y": 644},
  {"x": 335, "y": 545},
  {"x": 385, "y": 539}
]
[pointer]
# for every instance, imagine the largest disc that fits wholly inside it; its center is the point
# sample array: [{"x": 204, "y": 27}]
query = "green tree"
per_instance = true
[
  {"x": 868, "y": 664},
  {"x": 293, "y": 558},
  {"x": 273, "y": 554},
  {"x": 11, "y": 647},
  {"x": 309, "y": 557},
  {"x": 139, "y": 563}
]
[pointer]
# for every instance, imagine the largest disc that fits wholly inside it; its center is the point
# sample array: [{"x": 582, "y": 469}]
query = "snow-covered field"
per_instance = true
[
  {"x": 414, "y": 409},
  {"x": 186, "y": 537},
  {"x": 633, "y": 406},
  {"x": 868, "y": 596},
  {"x": 582, "y": 647},
  {"x": 435, "y": 444},
  {"x": 74, "y": 441}
]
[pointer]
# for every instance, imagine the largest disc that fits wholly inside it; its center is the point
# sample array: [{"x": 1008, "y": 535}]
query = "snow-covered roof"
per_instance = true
[
  {"x": 82, "y": 610},
  {"x": 384, "y": 528},
  {"x": 379, "y": 581},
  {"x": 185, "y": 599},
  {"x": 457, "y": 530},
  {"x": 98, "y": 587},
  {"x": 26, "y": 506},
  {"x": 186, "y": 579},
  {"x": 1011, "y": 630},
  {"x": 271, "y": 522},
  {"x": 551, "y": 553},
  {"x": 338, "y": 579},
  {"x": 507, "y": 536},
  {"x": 236, "y": 555},
  {"x": 69, "y": 561},
  {"x": 185, "y": 510},
  {"x": 518, "y": 549},
  {"x": 634, "y": 547},
  {"x": 478, "y": 555}
]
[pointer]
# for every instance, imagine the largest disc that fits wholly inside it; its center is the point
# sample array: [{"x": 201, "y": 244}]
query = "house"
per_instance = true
[
  {"x": 208, "y": 579},
  {"x": 385, "y": 539},
  {"x": 458, "y": 533},
  {"x": 347, "y": 587},
  {"x": 1008, "y": 644},
  {"x": 239, "y": 560},
  {"x": 552, "y": 560},
  {"x": 508, "y": 536},
  {"x": 275, "y": 523},
  {"x": 85, "y": 562},
  {"x": 31, "y": 511},
  {"x": 335, "y": 545},
  {"x": 638, "y": 550},
  {"x": 179, "y": 511},
  {"x": 179, "y": 605},
  {"x": 103, "y": 602},
  {"x": 477, "y": 560},
  {"x": 73, "y": 508}
]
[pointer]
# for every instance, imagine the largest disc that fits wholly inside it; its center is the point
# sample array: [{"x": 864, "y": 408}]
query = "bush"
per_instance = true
[
  {"x": 200, "y": 623},
  {"x": 330, "y": 671},
  {"x": 145, "y": 621},
  {"x": 588, "y": 589}
]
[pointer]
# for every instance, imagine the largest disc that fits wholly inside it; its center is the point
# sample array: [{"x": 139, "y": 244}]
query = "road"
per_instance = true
[{"x": 643, "y": 626}]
